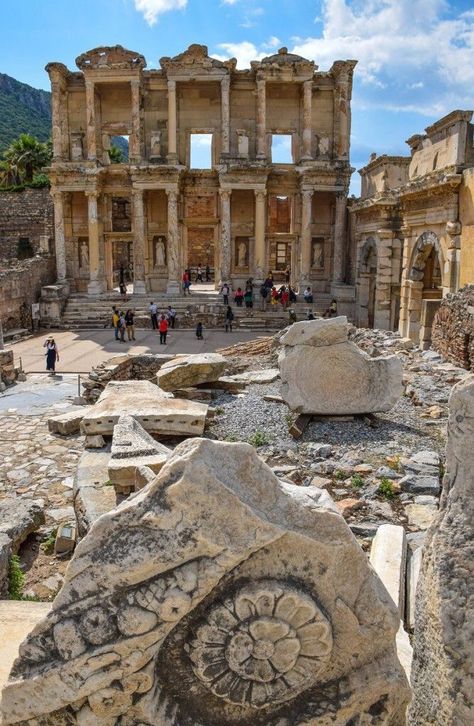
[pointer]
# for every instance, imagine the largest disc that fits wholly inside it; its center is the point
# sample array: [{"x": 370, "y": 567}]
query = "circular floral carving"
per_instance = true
[{"x": 263, "y": 646}]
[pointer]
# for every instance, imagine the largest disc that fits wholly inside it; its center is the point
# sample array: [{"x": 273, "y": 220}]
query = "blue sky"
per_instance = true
[{"x": 416, "y": 57}]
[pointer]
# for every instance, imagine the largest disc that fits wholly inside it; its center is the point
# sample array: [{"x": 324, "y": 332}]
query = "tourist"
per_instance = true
[
  {"x": 284, "y": 297},
  {"x": 199, "y": 331},
  {"x": 154, "y": 315},
  {"x": 269, "y": 280},
  {"x": 129, "y": 320},
  {"x": 171, "y": 315},
  {"x": 308, "y": 295},
  {"x": 225, "y": 290},
  {"x": 292, "y": 316},
  {"x": 287, "y": 275},
  {"x": 292, "y": 295},
  {"x": 229, "y": 317},
  {"x": 122, "y": 326},
  {"x": 249, "y": 285},
  {"x": 123, "y": 290},
  {"x": 163, "y": 327},
  {"x": 274, "y": 298},
  {"x": 186, "y": 282},
  {"x": 115, "y": 321},
  {"x": 331, "y": 311},
  {"x": 199, "y": 273},
  {"x": 310, "y": 316},
  {"x": 263, "y": 297},
  {"x": 248, "y": 298},
  {"x": 208, "y": 273},
  {"x": 239, "y": 297},
  {"x": 52, "y": 355}
]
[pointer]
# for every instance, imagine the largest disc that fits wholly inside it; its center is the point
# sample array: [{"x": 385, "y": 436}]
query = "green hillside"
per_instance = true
[{"x": 23, "y": 109}]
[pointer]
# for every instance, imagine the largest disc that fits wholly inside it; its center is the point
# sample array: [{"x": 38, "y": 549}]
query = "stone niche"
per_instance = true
[{"x": 218, "y": 594}]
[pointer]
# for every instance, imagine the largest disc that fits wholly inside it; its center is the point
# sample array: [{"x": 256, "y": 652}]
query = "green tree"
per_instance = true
[
  {"x": 25, "y": 156},
  {"x": 116, "y": 155}
]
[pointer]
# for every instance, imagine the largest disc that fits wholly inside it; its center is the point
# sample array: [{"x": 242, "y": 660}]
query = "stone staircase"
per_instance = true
[{"x": 93, "y": 313}]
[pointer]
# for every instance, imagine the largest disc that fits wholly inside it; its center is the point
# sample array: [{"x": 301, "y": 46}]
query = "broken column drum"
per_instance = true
[{"x": 216, "y": 595}]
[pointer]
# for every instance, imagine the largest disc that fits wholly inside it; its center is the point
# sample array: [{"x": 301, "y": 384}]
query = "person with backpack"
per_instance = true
[
  {"x": 229, "y": 317},
  {"x": 163, "y": 328},
  {"x": 263, "y": 297}
]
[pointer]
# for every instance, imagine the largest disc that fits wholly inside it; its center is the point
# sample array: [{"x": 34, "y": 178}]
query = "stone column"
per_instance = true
[
  {"x": 307, "y": 119},
  {"x": 383, "y": 280},
  {"x": 90, "y": 123},
  {"x": 59, "y": 236},
  {"x": 339, "y": 237},
  {"x": 305, "y": 239},
  {"x": 172, "y": 153},
  {"x": 138, "y": 242},
  {"x": 259, "y": 255},
  {"x": 342, "y": 92},
  {"x": 173, "y": 259},
  {"x": 225, "y": 255},
  {"x": 96, "y": 283},
  {"x": 261, "y": 120},
  {"x": 135, "y": 140},
  {"x": 225, "y": 114},
  {"x": 56, "y": 119}
]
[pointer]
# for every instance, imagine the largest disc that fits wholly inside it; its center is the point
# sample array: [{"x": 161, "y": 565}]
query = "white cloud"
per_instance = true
[
  {"x": 244, "y": 52},
  {"x": 272, "y": 42},
  {"x": 150, "y": 9},
  {"x": 229, "y": 2},
  {"x": 395, "y": 40}
]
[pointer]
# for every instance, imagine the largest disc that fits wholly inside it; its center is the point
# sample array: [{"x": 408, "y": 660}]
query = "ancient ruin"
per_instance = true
[{"x": 218, "y": 594}]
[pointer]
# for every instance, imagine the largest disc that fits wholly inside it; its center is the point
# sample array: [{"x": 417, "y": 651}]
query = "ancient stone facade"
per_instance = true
[
  {"x": 21, "y": 283},
  {"x": 453, "y": 328},
  {"x": 413, "y": 229},
  {"x": 26, "y": 224},
  {"x": 155, "y": 214}
]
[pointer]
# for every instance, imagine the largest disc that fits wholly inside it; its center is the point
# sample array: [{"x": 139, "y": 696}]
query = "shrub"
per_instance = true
[
  {"x": 16, "y": 579},
  {"x": 357, "y": 481},
  {"x": 259, "y": 438},
  {"x": 386, "y": 488},
  {"x": 48, "y": 544}
]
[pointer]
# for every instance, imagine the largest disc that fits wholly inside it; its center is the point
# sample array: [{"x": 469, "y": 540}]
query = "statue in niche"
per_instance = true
[
  {"x": 243, "y": 143},
  {"x": 242, "y": 254},
  {"x": 84, "y": 255},
  {"x": 318, "y": 254},
  {"x": 155, "y": 144},
  {"x": 160, "y": 252},
  {"x": 77, "y": 151}
]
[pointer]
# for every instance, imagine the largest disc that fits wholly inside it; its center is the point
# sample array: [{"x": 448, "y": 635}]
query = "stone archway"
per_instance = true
[
  {"x": 426, "y": 245},
  {"x": 423, "y": 287},
  {"x": 367, "y": 282}
]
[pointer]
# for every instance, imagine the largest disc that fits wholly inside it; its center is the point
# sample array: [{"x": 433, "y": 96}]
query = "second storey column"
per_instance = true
[
  {"x": 172, "y": 153},
  {"x": 90, "y": 128},
  {"x": 261, "y": 120}
]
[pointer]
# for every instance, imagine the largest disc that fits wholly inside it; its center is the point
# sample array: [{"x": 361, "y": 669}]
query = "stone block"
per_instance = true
[
  {"x": 413, "y": 572},
  {"x": 217, "y": 564},
  {"x": 93, "y": 496},
  {"x": 65, "y": 539},
  {"x": 420, "y": 516},
  {"x": 67, "y": 423},
  {"x": 418, "y": 484},
  {"x": 388, "y": 555},
  {"x": 316, "y": 332},
  {"x": 19, "y": 518},
  {"x": 95, "y": 441},
  {"x": 156, "y": 411},
  {"x": 191, "y": 370},
  {"x": 132, "y": 448}
]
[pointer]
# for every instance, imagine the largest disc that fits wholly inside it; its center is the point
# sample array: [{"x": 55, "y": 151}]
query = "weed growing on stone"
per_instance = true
[
  {"x": 48, "y": 544},
  {"x": 357, "y": 481},
  {"x": 339, "y": 475},
  {"x": 259, "y": 438},
  {"x": 16, "y": 579},
  {"x": 386, "y": 488}
]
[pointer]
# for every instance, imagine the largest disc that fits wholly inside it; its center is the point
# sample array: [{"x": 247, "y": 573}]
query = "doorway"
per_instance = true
[
  {"x": 201, "y": 248},
  {"x": 122, "y": 262}
]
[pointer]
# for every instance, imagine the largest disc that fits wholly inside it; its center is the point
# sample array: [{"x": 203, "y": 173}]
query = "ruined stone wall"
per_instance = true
[
  {"x": 453, "y": 328},
  {"x": 29, "y": 215},
  {"x": 20, "y": 286},
  {"x": 121, "y": 368}
]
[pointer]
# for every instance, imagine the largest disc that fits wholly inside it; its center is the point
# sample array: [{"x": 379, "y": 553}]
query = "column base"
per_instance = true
[
  {"x": 173, "y": 287},
  {"x": 172, "y": 158},
  {"x": 139, "y": 287},
  {"x": 95, "y": 287}
]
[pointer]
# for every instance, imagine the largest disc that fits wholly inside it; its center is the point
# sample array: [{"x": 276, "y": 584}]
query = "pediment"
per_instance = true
[{"x": 110, "y": 57}]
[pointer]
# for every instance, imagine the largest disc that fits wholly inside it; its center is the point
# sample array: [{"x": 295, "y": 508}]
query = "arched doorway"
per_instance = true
[
  {"x": 367, "y": 282},
  {"x": 424, "y": 287}
]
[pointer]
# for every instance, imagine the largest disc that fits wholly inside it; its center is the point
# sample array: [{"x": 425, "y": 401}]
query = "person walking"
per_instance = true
[
  {"x": 239, "y": 297},
  {"x": 199, "y": 331},
  {"x": 208, "y": 273},
  {"x": 274, "y": 298},
  {"x": 284, "y": 298},
  {"x": 163, "y": 326},
  {"x": 287, "y": 275},
  {"x": 52, "y": 355},
  {"x": 248, "y": 298},
  {"x": 199, "y": 273},
  {"x": 171, "y": 315},
  {"x": 225, "y": 290},
  {"x": 129, "y": 324},
  {"x": 186, "y": 283},
  {"x": 229, "y": 317},
  {"x": 123, "y": 290},
  {"x": 263, "y": 297},
  {"x": 154, "y": 315},
  {"x": 115, "y": 321}
]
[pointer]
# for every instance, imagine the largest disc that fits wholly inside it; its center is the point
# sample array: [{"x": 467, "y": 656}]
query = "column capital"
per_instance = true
[
  {"x": 225, "y": 82},
  {"x": 307, "y": 193},
  {"x": 171, "y": 84},
  {"x": 225, "y": 193},
  {"x": 260, "y": 193},
  {"x": 137, "y": 191},
  {"x": 171, "y": 192},
  {"x": 94, "y": 193},
  {"x": 135, "y": 82}
]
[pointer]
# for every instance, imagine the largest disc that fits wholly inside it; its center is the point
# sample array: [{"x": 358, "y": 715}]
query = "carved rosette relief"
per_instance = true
[{"x": 263, "y": 646}]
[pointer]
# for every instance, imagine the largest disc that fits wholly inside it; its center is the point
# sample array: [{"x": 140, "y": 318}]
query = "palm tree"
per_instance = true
[{"x": 26, "y": 155}]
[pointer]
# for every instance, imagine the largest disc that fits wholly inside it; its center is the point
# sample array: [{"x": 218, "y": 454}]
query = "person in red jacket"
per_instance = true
[{"x": 163, "y": 328}]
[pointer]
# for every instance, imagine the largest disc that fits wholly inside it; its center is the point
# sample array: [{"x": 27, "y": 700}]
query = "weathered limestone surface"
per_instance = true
[
  {"x": 67, "y": 423},
  {"x": 215, "y": 595},
  {"x": 92, "y": 496},
  {"x": 18, "y": 518},
  {"x": 443, "y": 664},
  {"x": 191, "y": 370},
  {"x": 157, "y": 411},
  {"x": 326, "y": 374},
  {"x": 133, "y": 447}
]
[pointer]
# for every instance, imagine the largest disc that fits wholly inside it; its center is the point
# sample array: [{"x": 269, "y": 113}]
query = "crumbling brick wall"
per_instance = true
[
  {"x": 453, "y": 328},
  {"x": 20, "y": 286},
  {"x": 121, "y": 368},
  {"x": 26, "y": 215}
]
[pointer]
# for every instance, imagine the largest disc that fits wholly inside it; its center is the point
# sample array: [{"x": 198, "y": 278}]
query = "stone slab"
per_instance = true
[
  {"x": 92, "y": 495},
  {"x": 191, "y": 370},
  {"x": 316, "y": 332},
  {"x": 67, "y": 423},
  {"x": 157, "y": 411},
  {"x": 20, "y": 517},
  {"x": 415, "y": 560},
  {"x": 419, "y": 484},
  {"x": 133, "y": 447},
  {"x": 420, "y": 516},
  {"x": 388, "y": 555}
]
